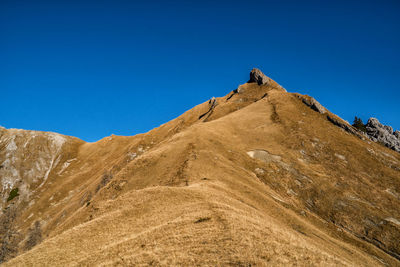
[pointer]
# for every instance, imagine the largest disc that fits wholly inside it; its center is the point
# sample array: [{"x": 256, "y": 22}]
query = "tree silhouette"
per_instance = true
[{"x": 358, "y": 124}]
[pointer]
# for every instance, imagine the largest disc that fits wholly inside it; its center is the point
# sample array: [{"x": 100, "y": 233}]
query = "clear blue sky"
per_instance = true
[{"x": 95, "y": 68}]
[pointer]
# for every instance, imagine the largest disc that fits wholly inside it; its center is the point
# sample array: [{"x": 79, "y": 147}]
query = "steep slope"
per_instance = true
[
  {"x": 30, "y": 162},
  {"x": 255, "y": 177}
]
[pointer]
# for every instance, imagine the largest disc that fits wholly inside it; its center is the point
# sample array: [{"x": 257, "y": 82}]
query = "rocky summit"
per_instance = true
[
  {"x": 258, "y": 177},
  {"x": 257, "y": 76}
]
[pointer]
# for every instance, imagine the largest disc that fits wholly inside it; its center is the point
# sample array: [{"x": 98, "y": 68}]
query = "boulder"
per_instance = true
[
  {"x": 383, "y": 134},
  {"x": 256, "y": 76}
]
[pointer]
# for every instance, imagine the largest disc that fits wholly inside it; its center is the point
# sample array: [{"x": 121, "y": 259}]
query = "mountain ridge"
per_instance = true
[{"x": 257, "y": 163}]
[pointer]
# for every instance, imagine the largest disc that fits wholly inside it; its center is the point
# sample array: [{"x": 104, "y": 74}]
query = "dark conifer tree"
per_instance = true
[{"x": 358, "y": 123}]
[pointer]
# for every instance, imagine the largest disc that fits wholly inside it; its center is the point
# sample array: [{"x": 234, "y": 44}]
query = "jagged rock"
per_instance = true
[
  {"x": 256, "y": 76},
  {"x": 388, "y": 128},
  {"x": 314, "y": 104},
  {"x": 397, "y": 134},
  {"x": 383, "y": 134}
]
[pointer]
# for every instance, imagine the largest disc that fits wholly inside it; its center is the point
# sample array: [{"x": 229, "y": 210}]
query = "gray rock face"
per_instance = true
[
  {"x": 388, "y": 128},
  {"x": 315, "y": 105},
  {"x": 384, "y": 134},
  {"x": 256, "y": 76}
]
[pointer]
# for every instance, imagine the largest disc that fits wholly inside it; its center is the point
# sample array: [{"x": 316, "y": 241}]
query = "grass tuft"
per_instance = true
[{"x": 13, "y": 194}]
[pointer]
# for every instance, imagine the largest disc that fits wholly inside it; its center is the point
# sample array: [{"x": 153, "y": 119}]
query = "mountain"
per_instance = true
[{"x": 259, "y": 176}]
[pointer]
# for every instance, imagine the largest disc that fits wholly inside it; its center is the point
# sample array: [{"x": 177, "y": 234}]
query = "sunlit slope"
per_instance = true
[{"x": 257, "y": 178}]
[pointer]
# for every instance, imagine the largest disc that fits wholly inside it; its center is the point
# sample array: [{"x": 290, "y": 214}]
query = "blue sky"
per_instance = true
[{"x": 95, "y": 68}]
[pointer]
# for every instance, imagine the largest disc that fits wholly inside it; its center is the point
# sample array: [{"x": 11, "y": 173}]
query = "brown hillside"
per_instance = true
[{"x": 253, "y": 178}]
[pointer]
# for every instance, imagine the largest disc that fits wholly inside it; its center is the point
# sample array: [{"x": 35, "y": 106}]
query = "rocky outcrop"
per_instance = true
[
  {"x": 383, "y": 134},
  {"x": 212, "y": 104},
  {"x": 256, "y": 76},
  {"x": 314, "y": 104},
  {"x": 342, "y": 124},
  {"x": 311, "y": 102}
]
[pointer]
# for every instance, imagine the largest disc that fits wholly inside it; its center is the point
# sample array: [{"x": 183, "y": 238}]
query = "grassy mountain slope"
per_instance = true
[{"x": 257, "y": 177}]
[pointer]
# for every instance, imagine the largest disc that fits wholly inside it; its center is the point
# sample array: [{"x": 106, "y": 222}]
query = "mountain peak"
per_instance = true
[{"x": 257, "y": 76}]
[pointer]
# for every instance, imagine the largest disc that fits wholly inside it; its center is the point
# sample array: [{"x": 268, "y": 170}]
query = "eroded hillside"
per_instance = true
[{"x": 260, "y": 176}]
